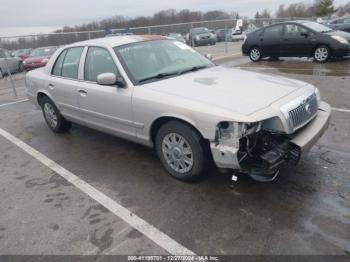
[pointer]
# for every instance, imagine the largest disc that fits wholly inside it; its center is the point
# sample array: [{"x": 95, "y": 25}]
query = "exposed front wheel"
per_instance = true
[
  {"x": 53, "y": 118},
  {"x": 182, "y": 151},
  {"x": 255, "y": 54},
  {"x": 322, "y": 54}
]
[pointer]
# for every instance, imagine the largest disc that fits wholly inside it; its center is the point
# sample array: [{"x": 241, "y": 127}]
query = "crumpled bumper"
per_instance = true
[{"x": 294, "y": 147}]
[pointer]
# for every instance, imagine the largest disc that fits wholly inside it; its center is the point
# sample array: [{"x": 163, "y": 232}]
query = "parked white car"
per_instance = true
[
  {"x": 163, "y": 94},
  {"x": 9, "y": 63}
]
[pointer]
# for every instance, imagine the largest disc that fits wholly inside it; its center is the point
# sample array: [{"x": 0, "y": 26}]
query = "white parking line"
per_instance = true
[
  {"x": 341, "y": 110},
  {"x": 161, "y": 239},
  {"x": 16, "y": 102}
]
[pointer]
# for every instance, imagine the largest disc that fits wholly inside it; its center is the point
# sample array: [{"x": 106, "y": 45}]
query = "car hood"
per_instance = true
[
  {"x": 237, "y": 90},
  {"x": 35, "y": 59},
  {"x": 340, "y": 33}
]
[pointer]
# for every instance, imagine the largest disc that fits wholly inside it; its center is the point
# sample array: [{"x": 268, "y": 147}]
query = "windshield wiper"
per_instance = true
[
  {"x": 158, "y": 76},
  {"x": 162, "y": 75},
  {"x": 192, "y": 69}
]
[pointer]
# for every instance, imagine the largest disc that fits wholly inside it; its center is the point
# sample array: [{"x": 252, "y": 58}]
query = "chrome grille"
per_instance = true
[{"x": 303, "y": 113}]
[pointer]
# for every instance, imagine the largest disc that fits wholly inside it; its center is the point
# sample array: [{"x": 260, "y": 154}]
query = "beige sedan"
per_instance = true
[{"x": 163, "y": 94}]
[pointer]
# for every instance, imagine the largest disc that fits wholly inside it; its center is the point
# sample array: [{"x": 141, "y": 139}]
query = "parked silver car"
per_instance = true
[
  {"x": 163, "y": 94},
  {"x": 9, "y": 63}
]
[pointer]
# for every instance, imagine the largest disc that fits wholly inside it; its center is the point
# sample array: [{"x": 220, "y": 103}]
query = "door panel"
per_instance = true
[
  {"x": 65, "y": 96},
  {"x": 64, "y": 82},
  {"x": 105, "y": 107},
  {"x": 298, "y": 41},
  {"x": 271, "y": 40}
]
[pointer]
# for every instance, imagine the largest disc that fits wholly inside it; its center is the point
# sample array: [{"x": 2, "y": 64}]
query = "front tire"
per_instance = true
[
  {"x": 322, "y": 54},
  {"x": 182, "y": 151},
  {"x": 53, "y": 118},
  {"x": 1, "y": 74},
  {"x": 255, "y": 54}
]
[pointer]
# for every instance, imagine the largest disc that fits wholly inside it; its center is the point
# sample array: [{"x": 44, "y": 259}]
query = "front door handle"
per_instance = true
[{"x": 82, "y": 91}]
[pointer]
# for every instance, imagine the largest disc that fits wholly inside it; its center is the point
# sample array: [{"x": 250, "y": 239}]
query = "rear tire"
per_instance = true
[
  {"x": 255, "y": 54},
  {"x": 322, "y": 54},
  {"x": 53, "y": 118},
  {"x": 182, "y": 151},
  {"x": 1, "y": 74}
]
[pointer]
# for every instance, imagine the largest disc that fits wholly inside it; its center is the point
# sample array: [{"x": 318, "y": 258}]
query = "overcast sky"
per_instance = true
[{"x": 35, "y": 16}]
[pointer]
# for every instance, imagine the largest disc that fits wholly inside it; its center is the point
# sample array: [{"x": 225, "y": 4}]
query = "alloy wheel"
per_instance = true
[
  {"x": 321, "y": 54},
  {"x": 255, "y": 54},
  {"x": 50, "y": 115},
  {"x": 177, "y": 153}
]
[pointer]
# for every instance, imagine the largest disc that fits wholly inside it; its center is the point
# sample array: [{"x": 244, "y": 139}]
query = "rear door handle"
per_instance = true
[
  {"x": 51, "y": 86},
  {"x": 82, "y": 91}
]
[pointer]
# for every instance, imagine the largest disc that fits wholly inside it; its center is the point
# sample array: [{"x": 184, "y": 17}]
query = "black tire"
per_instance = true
[
  {"x": 322, "y": 54},
  {"x": 61, "y": 125},
  {"x": 200, "y": 151},
  {"x": 255, "y": 54},
  {"x": 1, "y": 74}
]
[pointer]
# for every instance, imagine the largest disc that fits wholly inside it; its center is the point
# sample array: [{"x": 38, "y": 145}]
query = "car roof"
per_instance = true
[
  {"x": 339, "y": 18},
  {"x": 118, "y": 40}
]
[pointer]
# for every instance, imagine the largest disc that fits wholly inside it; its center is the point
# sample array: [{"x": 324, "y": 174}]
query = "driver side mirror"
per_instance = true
[
  {"x": 109, "y": 79},
  {"x": 305, "y": 34}
]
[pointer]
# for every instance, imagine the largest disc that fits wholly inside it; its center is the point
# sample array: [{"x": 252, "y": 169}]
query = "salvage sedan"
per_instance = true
[{"x": 163, "y": 94}]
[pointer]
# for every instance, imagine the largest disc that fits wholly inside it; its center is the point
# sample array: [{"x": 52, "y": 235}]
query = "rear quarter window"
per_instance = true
[{"x": 57, "y": 68}]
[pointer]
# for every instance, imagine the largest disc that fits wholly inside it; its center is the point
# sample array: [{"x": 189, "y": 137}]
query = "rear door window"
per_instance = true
[
  {"x": 57, "y": 69},
  {"x": 273, "y": 31},
  {"x": 70, "y": 67}
]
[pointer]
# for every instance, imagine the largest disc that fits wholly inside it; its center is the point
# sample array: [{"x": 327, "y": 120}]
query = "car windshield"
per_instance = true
[
  {"x": 42, "y": 52},
  {"x": 154, "y": 60},
  {"x": 317, "y": 27},
  {"x": 200, "y": 30}
]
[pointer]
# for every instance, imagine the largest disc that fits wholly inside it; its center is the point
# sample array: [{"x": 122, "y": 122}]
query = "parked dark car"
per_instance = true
[
  {"x": 38, "y": 57},
  {"x": 201, "y": 36},
  {"x": 297, "y": 39},
  {"x": 342, "y": 24}
]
